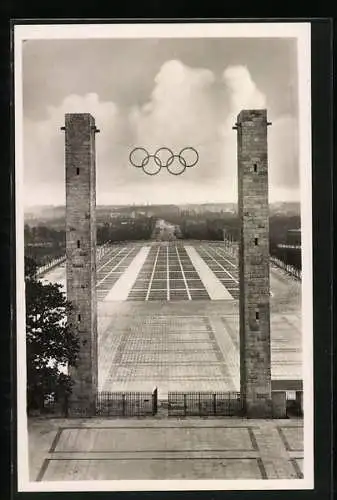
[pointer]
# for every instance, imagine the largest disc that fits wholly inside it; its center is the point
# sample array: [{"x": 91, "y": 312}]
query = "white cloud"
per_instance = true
[
  {"x": 187, "y": 107},
  {"x": 243, "y": 92},
  {"x": 44, "y": 145},
  {"x": 283, "y": 152},
  {"x": 180, "y": 111}
]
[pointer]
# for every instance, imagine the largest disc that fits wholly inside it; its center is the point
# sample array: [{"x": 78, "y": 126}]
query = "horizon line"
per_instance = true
[{"x": 144, "y": 204}]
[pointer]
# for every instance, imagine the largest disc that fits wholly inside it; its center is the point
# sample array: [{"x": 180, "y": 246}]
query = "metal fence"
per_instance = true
[
  {"x": 290, "y": 270},
  {"x": 50, "y": 265},
  {"x": 233, "y": 248},
  {"x": 204, "y": 404},
  {"x": 285, "y": 403},
  {"x": 101, "y": 250},
  {"x": 126, "y": 404}
]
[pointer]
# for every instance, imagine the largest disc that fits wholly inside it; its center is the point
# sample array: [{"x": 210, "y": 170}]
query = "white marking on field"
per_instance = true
[
  {"x": 213, "y": 285},
  {"x": 220, "y": 265},
  {"x": 115, "y": 267},
  {"x": 114, "y": 256},
  {"x": 184, "y": 277},
  {"x": 152, "y": 274},
  {"x": 124, "y": 284},
  {"x": 167, "y": 274}
]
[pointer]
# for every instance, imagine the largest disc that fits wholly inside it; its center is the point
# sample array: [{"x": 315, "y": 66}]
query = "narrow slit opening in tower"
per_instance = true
[
  {"x": 78, "y": 244},
  {"x": 257, "y": 315},
  {"x": 77, "y": 171},
  {"x": 255, "y": 167},
  {"x": 79, "y": 318},
  {"x": 256, "y": 241}
]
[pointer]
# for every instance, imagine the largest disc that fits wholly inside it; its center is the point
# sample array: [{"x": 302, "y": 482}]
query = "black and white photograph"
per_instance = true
[{"x": 164, "y": 256}]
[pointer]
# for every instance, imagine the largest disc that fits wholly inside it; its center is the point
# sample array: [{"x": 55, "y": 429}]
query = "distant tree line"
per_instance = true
[
  {"x": 279, "y": 225},
  {"x": 44, "y": 243},
  {"x": 42, "y": 234},
  {"x": 208, "y": 227},
  {"x": 126, "y": 230},
  {"x": 201, "y": 228}
]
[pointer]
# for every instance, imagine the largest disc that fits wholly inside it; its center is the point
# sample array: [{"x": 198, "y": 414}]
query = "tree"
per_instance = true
[
  {"x": 51, "y": 344},
  {"x": 30, "y": 268}
]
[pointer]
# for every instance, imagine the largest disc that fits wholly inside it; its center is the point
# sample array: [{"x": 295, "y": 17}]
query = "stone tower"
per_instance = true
[
  {"x": 81, "y": 255},
  {"x": 255, "y": 362}
]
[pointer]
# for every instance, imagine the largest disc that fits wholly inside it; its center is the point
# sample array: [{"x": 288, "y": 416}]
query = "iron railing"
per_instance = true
[
  {"x": 289, "y": 269},
  {"x": 178, "y": 404},
  {"x": 204, "y": 404},
  {"x": 101, "y": 250},
  {"x": 233, "y": 248},
  {"x": 126, "y": 404}
]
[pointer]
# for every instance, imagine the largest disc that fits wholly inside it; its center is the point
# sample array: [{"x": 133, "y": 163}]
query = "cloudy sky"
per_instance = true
[{"x": 153, "y": 93}]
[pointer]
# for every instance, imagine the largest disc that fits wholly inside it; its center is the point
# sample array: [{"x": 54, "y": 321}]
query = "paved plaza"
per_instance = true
[
  {"x": 168, "y": 316},
  {"x": 177, "y": 271},
  {"x": 150, "y": 271},
  {"x": 185, "y": 346},
  {"x": 97, "y": 449}
]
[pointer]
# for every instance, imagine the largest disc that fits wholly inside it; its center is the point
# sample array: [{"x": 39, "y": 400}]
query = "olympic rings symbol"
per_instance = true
[{"x": 164, "y": 157}]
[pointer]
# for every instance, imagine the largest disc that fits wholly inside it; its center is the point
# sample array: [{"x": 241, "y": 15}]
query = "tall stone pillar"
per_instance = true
[
  {"x": 255, "y": 357},
  {"x": 81, "y": 255}
]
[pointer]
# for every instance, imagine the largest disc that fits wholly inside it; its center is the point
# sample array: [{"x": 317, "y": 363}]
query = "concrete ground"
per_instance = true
[
  {"x": 168, "y": 317},
  {"x": 185, "y": 346},
  {"x": 176, "y": 271},
  {"x": 106, "y": 449}
]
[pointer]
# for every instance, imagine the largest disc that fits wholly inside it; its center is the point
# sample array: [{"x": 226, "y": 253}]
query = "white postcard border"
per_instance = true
[{"x": 300, "y": 31}]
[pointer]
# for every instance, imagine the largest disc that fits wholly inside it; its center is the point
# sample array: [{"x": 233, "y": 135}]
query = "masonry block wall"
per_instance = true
[
  {"x": 255, "y": 362},
  {"x": 81, "y": 255}
]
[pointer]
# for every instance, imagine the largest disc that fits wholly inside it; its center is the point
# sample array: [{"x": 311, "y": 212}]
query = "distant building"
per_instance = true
[
  {"x": 294, "y": 237},
  {"x": 293, "y": 240}
]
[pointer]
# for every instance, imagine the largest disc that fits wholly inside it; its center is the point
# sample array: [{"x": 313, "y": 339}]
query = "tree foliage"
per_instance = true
[
  {"x": 126, "y": 229},
  {"x": 52, "y": 346},
  {"x": 44, "y": 243}
]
